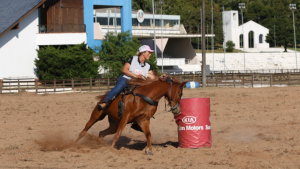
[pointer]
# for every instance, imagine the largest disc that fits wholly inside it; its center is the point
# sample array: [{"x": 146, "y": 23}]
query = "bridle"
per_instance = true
[{"x": 171, "y": 100}]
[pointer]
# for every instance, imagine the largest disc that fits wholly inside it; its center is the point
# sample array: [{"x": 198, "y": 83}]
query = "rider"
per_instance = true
[{"x": 135, "y": 67}]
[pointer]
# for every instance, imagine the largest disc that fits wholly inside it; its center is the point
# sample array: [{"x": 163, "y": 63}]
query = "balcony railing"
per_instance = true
[{"x": 60, "y": 28}]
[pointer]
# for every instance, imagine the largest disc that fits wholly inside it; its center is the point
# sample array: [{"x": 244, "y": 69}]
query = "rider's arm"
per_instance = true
[
  {"x": 151, "y": 74},
  {"x": 127, "y": 72}
]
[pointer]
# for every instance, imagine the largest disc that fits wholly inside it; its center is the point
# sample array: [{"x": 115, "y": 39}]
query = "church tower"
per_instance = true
[{"x": 231, "y": 27}]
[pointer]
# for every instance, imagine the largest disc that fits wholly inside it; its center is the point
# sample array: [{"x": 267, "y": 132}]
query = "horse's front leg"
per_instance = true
[
  {"x": 145, "y": 127},
  {"x": 121, "y": 127},
  {"x": 95, "y": 116}
]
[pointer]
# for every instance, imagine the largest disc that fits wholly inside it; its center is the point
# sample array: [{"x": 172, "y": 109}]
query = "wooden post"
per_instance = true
[
  {"x": 1, "y": 80},
  {"x": 289, "y": 77},
  {"x": 90, "y": 83},
  {"x": 99, "y": 83},
  {"x": 233, "y": 80},
  {"x": 108, "y": 84},
  {"x": 63, "y": 85},
  {"x": 80, "y": 85},
  {"x": 36, "y": 85},
  {"x": 270, "y": 80},
  {"x": 18, "y": 85},
  {"x": 216, "y": 77},
  {"x": 243, "y": 79},
  {"x": 54, "y": 85},
  {"x": 252, "y": 80},
  {"x": 72, "y": 83}
]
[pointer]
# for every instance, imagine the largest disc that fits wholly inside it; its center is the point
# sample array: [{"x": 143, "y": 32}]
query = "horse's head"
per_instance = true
[{"x": 174, "y": 95}]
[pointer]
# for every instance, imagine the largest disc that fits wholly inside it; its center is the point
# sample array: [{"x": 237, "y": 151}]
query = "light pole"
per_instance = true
[
  {"x": 212, "y": 32},
  {"x": 241, "y": 7},
  {"x": 154, "y": 28},
  {"x": 116, "y": 22},
  {"x": 275, "y": 37},
  {"x": 203, "y": 71},
  {"x": 293, "y": 7},
  {"x": 190, "y": 26},
  {"x": 224, "y": 44},
  {"x": 201, "y": 26},
  {"x": 108, "y": 18},
  {"x": 207, "y": 37},
  {"x": 161, "y": 3}
]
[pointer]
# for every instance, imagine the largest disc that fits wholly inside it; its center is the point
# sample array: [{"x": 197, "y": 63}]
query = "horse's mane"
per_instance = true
[{"x": 144, "y": 82}]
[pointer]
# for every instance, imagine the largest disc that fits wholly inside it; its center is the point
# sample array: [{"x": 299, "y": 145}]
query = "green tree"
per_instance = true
[
  {"x": 72, "y": 62},
  {"x": 145, "y": 5},
  {"x": 283, "y": 20},
  {"x": 115, "y": 51},
  {"x": 230, "y": 46}
]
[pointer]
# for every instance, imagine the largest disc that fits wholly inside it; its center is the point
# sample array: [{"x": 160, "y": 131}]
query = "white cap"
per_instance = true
[{"x": 145, "y": 48}]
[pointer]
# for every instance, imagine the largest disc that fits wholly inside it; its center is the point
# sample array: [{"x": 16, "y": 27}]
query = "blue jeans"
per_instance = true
[{"x": 121, "y": 84}]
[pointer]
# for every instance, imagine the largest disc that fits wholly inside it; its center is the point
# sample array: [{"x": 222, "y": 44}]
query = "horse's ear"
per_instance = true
[{"x": 183, "y": 84}]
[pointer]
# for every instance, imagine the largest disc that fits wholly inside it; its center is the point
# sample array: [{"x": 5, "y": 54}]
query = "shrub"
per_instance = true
[
  {"x": 230, "y": 46},
  {"x": 72, "y": 62}
]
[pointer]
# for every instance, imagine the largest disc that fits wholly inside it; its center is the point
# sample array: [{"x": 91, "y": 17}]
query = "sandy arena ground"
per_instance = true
[{"x": 251, "y": 128}]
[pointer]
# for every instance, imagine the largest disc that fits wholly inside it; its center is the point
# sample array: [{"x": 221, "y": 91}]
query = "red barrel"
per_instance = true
[{"x": 194, "y": 123}]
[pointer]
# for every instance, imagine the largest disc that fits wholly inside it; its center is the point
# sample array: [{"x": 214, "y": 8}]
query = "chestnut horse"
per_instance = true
[{"x": 136, "y": 109}]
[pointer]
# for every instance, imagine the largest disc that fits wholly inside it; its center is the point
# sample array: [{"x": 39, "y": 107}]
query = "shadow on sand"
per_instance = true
[{"x": 140, "y": 145}]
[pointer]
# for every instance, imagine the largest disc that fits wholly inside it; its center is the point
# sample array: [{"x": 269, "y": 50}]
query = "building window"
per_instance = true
[
  {"x": 241, "y": 41},
  {"x": 118, "y": 21},
  {"x": 158, "y": 22},
  {"x": 260, "y": 38},
  {"x": 251, "y": 39},
  {"x": 135, "y": 22},
  {"x": 170, "y": 23},
  {"x": 234, "y": 16},
  {"x": 104, "y": 21},
  {"x": 146, "y": 22}
]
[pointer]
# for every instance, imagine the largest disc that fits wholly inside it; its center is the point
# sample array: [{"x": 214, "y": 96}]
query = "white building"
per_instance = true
[
  {"x": 23, "y": 31},
  {"x": 254, "y": 33}
]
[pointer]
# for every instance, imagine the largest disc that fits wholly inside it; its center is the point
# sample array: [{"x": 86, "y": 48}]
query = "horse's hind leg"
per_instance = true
[
  {"x": 145, "y": 127},
  {"x": 95, "y": 116},
  {"x": 112, "y": 129}
]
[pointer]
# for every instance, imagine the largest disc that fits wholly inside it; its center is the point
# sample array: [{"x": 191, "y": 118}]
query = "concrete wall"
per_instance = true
[
  {"x": 18, "y": 49},
  {"x": 254, "y": 61},
  {"x": 60, "y": 38}
]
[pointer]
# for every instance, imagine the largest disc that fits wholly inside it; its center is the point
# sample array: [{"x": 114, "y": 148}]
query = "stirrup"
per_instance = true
[{"x": 100, "y": 107}]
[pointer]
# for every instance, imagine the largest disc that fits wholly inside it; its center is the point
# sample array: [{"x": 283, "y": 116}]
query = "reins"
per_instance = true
[{"x": 171, "y": 100}]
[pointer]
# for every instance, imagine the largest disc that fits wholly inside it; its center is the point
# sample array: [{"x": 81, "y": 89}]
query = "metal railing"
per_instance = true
[{"x": 59, "y": 28}]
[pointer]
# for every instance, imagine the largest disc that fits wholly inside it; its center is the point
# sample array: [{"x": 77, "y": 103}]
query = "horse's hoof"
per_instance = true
[{"x": 148, "y": 152}]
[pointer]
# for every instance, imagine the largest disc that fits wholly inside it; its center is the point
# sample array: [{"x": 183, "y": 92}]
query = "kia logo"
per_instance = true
[{"x": 189, "y": 119}]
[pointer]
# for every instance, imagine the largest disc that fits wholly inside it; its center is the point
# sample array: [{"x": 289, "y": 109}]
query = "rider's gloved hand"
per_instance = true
[{"x": 139, "y": 76}]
